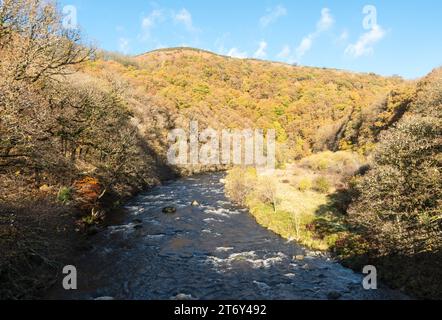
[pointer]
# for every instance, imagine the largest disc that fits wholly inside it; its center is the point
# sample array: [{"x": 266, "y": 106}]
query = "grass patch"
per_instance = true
[
  {"x": 295, "y": 215},
  {"x": 64, "y": 195},
  {"x": 310, "y": 209}
]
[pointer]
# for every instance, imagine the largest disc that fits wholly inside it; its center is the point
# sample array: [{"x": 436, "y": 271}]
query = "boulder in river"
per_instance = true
[
  {"x": 195, "y": 203},
  {"x": 138, "y": 226},
  {"x": 169, "y": 210},
  {"x": 306, "y": 267},
  {"x": 183, "y": 297}
]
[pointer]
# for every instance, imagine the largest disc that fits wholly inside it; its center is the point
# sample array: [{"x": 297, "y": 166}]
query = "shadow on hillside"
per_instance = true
[
  {"x": 337, "y": 203},
  {"x": 35, "y": 237},
  {"x": 160, "y": 163},
  {"x": 330, "y": 217},
  {"x": 417, "y": 275}
]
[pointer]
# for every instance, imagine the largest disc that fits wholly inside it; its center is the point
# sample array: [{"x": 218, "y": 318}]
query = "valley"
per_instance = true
[{"x": 86, "y": 173}]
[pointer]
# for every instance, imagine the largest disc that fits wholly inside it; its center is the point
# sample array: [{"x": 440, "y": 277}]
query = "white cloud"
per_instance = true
[
  {"x": 150, "y": 21},
  {"x": 287, "y": 55},
  {"x": 261, "y": 53},
  {"x": 123, "y": 44},
  {"x": 326, "y": 21},
  {"x": 273, "y": 15},
  {"x": 185, "y": 18},
  {"x": 365, "y": 43},
  {"x": 165, "y": 17},
  {"x": 236, "y": 53},
  {"x": 324, "y": 24},
  {"x": 305, "y": 46},
  {"x": 284, "y": 53}
]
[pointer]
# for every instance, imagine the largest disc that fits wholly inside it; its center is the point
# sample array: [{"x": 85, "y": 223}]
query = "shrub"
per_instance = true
[
  {"x": 305, "y": 184},
  {"x": 266, "y": 191},
  {"x": 64, "y": 194},
  {"x": 399, "y": 207},
  {"x": 344, "y": 163},
  {"x": 87, "y": 193},
  {"x": 240, "y": 183},
  {"x": 321, "y": 184}
]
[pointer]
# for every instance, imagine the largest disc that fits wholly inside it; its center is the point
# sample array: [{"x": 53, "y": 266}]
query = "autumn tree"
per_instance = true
[
  {"x": 399, "y": 205},
  {"x": 34, "y": 44},
  {"x": 35, "y": 49}
]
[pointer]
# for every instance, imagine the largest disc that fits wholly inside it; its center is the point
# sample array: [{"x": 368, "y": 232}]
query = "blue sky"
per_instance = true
[{"x": 391, "y": 37}]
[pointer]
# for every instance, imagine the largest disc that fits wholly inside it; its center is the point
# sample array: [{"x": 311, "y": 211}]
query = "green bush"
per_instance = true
[{"x": 64, "y": 194}]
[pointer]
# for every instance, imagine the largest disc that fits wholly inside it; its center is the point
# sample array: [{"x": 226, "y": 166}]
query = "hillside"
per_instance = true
[{"x": 312, "y": 109}]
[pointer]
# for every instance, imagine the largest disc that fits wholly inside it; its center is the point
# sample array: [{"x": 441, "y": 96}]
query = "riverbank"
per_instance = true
[
  {"x": 43, "y": 228},
  {"x": 307, "y": 202},
  {"x": 37, "y": 237}
]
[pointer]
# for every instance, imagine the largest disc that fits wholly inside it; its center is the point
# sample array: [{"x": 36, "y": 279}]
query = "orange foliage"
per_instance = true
[{"x": 87, "y": 192}]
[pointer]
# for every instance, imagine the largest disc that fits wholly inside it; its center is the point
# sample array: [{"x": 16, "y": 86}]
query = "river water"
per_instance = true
[{"x": 212, "y": 251}]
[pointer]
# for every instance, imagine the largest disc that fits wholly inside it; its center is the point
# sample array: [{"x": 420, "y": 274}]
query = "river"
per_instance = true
[{"x": 212, "y": 251}]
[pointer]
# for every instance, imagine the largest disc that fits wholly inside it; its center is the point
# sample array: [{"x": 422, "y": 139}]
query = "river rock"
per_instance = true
[
  {"x": 183, "y": 297},
  {"x": 195, "y": 203},
  {"x": 169, "y": 210},
  {"x": 138, "y": 226},
  {"x": 299, "y": 257},
  {"x": 104, "y": 299},
  {"x": 306, "y": 267},
  {"x": 314, "y": 254}
]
